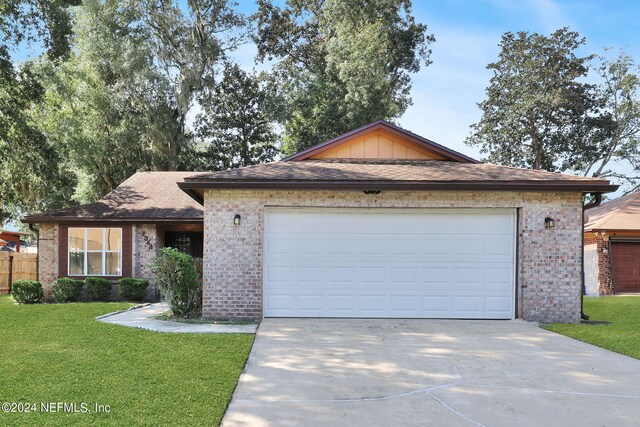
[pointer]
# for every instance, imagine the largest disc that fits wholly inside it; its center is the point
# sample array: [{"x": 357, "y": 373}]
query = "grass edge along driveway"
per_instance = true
[
  {"x": 52, "y": 353},
  {"x": 620, "y": 327}
]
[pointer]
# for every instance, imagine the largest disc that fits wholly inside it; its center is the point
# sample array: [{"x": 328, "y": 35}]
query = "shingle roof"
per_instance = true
[
  {"x": 145, "y": 196},
  {"x": 359, "y": 173},
  {"x": 622, "y": 213}
]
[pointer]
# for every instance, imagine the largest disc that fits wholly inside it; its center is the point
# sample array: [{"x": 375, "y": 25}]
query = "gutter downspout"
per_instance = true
[
  {"x": 597, "y": 199},
  {"x": 33, "y": 228}
]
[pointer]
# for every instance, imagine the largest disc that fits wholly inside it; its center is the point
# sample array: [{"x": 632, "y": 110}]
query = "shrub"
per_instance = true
[
  {"x": 133, "y": 289},
  {"x": 66, "y": 289},
  {"x": 27, "y": 291},
  {"x": 98, "y": 289},
  {"x": 176, "y": 275}
]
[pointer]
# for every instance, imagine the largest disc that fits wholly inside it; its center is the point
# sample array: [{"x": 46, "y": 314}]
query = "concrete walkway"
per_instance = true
[
  {"x": 141, "y": 318},
  {"x": 362, "y": 372}
]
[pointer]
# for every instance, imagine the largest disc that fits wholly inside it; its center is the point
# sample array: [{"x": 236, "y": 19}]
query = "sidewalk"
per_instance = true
[{"x": 141, "y": 318}]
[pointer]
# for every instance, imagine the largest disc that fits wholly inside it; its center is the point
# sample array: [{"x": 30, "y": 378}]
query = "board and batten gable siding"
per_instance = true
[
  {"x": 378, "y": 145},
  {"x": 548, "y": 282}
]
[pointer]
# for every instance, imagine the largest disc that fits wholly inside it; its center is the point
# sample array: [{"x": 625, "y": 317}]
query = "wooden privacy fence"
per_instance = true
[{"x": 16, "y": 266}]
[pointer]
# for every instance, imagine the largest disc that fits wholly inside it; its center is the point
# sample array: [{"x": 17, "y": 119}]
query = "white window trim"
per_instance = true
[{"x": 87, "y": 251}]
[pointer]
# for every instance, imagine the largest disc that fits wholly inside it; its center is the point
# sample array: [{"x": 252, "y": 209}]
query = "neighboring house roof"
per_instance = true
[
  {"x": 12, "y": 233},
  {"x": 622, "y": 213},
  {"x": 144, "y": 197}
]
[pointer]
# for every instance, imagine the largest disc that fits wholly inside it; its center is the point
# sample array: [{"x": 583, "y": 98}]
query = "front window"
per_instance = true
[{"x": 95, "y": 251}]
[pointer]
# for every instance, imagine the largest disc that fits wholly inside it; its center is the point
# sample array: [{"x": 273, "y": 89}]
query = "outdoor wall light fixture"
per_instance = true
[
  {"x": 549, "y": 222},
  {"x": 605, "y": 250},
  {"x": 236, "y": 219}
]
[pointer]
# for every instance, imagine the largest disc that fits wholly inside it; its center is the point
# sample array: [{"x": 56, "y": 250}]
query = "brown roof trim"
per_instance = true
[
  {"x": 390, "y": 127},
  {"x": 577, "y": 185},
  {"x": 193, "y": 194},
  {"x": 74, "y": 219}
]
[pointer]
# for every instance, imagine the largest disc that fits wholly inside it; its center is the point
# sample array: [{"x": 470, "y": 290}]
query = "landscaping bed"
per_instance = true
[
  {"x": 59, "y": 353},
  {"x": 614, "y": 324}
]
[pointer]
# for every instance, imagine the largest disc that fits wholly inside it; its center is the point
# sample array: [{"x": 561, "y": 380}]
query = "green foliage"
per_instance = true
[
  {"x": 27, "y": 291},
  {"x": 132, "y": 289},
  {"x": 614, "y": 137},
  {"x": 98, "y": 288},
  {"x": 341, "y": 63},
  {"x": 66, "y": 289},
  {"x": 60, "y": 350},
  {"x": 537, "y": 110},
  {"x": 30, "y": 178},
  {"x": 234, "y": 124},
  {"x": 176, "y": 275}
]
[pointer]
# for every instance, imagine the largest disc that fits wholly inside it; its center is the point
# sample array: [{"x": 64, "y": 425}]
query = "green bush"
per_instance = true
[
  {"x": 133, "y": 289},
  {"x": 66, "y": 289},
  {"x": 27, "y": 291},
  {"x": 98, "y": 289},
  {"x": 176, "y": 275}
]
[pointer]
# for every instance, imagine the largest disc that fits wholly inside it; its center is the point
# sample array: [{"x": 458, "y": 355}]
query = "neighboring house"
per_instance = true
[
  {"x": 11, "y": 239},
  {"x": 378, "y": 222},
  {"x": 119, "y": 235},
  {"x": 612, "y": 247}
]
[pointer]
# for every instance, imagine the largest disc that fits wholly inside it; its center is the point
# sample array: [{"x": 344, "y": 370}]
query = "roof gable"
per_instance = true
[
  {"x": 380, "y": 140},
  {"x": 622, "y": 213}
]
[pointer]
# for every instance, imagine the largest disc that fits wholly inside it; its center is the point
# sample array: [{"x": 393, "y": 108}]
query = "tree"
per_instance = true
[
  {"x": 537, "y": 111},
  {"x": 103, "y": 106},
  {"x": 340, "y": 63},
  {"x": 189, "y": 48},
  {"x": 120, "y": 102},
  {"x": 614, "y": 138},
  {"x": 234, "y": 125},
  {"x": 28, "y": 164}
]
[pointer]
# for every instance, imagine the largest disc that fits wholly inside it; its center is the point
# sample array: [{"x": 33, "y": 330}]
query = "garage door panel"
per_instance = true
[{"x": 389, "y": 263}]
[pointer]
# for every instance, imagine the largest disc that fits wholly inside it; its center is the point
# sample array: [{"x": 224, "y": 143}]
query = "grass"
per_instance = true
[
  {"x": 59, "y": 353},
  {"x": 620, "y": 327}
]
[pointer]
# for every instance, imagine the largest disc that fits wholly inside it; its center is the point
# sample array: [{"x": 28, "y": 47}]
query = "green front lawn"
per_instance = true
[
  {"x": 59, "y": 353},
  {"x": 622, "y": 331}
]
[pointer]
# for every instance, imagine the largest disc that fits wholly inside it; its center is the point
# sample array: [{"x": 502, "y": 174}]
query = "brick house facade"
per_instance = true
[
  {"x": 549, "y": 269},
  {"x": 524, "y": 261}
]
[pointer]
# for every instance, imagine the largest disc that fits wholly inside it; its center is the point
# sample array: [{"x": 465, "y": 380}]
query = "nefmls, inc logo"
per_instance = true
[{"x": 66, "y": 407}]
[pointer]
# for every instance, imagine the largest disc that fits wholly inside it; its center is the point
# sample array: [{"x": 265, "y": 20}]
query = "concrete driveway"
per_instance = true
[{"x": 360, "y": 372}]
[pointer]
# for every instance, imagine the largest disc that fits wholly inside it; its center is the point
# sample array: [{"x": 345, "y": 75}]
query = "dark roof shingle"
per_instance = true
[
  {"x": 153, "y": 196},
  {"x": 375, "y": 171}
]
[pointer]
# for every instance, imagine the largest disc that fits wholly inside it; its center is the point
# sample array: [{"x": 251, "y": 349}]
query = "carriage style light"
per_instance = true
[
  {"x": 549, "y": 222},
  {"x": 236, "y": 219}
]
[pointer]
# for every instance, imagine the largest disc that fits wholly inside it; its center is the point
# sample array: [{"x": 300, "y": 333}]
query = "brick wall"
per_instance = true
[
  {"x": 47, "y": 257},
  {"x": 146, "y": 246},
  {"x": 549, "y": 276},
  {"x": 605, "y": 275}
]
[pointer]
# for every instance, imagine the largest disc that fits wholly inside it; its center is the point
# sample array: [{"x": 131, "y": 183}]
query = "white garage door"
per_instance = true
[{"x": 437, "y": 263}]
